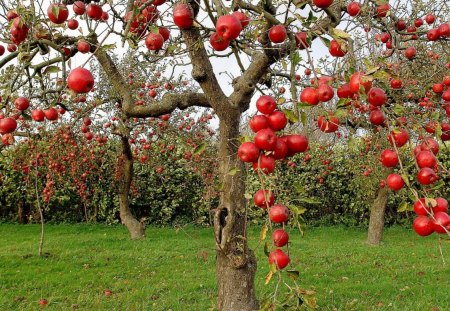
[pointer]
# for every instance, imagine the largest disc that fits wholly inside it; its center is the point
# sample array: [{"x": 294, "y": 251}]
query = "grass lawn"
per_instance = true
[{"x": 174, "y": 269}]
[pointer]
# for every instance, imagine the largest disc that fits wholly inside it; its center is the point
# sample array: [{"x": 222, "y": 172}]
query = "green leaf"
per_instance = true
[
  {"x": 263, "y": 233},
  {"x": 303, "y": 117},
  {"x": 248, "y": 196},
  {"x": 266, "y": 249},
  {"x": 290, "y": 115},
  {"x": 108, "y": 47},
  {"x": 299, "y": 188},
  {"x": 244, "y": 139},
  {"x": 297, "y": 210},
  {"x": 26, "y": 116},
  {"x": 304, "y": 105},
  {"x": 233, "y": 171},
  {"x": 341, "y": 113},
  {"x": 381, "y": 75},
  {"x": 55, "y": 10},
  {"x": 405, "y": 179},
  {"x": 399, "y": 109},
  {"x": 199, "y": 149},
  {"x": 51, "y": 69},
  {"x": 343, "y": 102},
  {"x": 403, "y": 207},
  {"x": 339, "y": 33},
  {"x": 296, "y": 59},
  {"x": 309, "y": 201},
  {"x": 325, "y": 41},
  {"x": 154, "y": 29}
]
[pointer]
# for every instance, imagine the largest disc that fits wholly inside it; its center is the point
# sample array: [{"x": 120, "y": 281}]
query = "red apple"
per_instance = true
[
  {"x": 310, "y": 96},
  {"x": 357, "y": 80},
  {"x": 83, "y": 46},
  {"x": 154, "y": 41},
  {"x": 281, "y": 150},
  {"x": 279, "y": 213},
  {"x": 336, "y": 49},
  {"x": 422, "y": 226},
  {"x": 218, "y": 43},
  {"x": 51, "y": 114},
  {"x": 441, "y": 206},
  {"x": 421, "y": 208},
  {"x": 440, "y": 222},
  {"x": 376, "y": 117},
  {"x": 164, "y": 32},
  {"x": 79, "y": 7},
  {"x": 72, "y": 24},
  {"x": 22, "y": 103},
  {"x": 297, "y": 143},
  {"x": 80, "y": 80},
  {"x": 228, "y": 27},
  {"x": 57, "y": 13},
  {"x": 94, "y": 11},
  {"x": 263, "y": 198},
  {"x": 277, "y": 120},
  {"x": 426, "y": 176},
  {"x": 258, "y": 123},
  {"x": 280, "y": 238},
  {"x": 376, "y": 97},
  {"x": 279, "y": 258},
  {"x": 389, "y": 158},
  {"x": 242, "y": 18},
  {"x": 183, "y": 16},
  {"x": 7, "y": 125},
  {"x": 266, "y": 139},
  {"x": 395, "y": 182},
  {"x": 410, "y": 52},
  {"x": 248, "y": 152},
  {"x": 323, "y": 4},
  {"x": 266, "y": 104},
  {"x": 353, "y": 8},
  {"x": 38, "y": 115},
  {"x": 266, "y": 164},
  {"x": 426, "y": 159},
  {"x": 277, "y": 34},
  {"x": 325, "y": 92},
  {"x": 400, "y": 136}
]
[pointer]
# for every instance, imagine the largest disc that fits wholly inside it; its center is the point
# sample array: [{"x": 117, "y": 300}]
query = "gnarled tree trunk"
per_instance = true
[
  {"x": 125, "y": 165},
  {"x": 236, "y": 263},
  {"x": 376, "y": 222}
]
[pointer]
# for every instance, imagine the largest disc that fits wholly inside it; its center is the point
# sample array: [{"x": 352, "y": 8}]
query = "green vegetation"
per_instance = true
[{"x": 173, "y": 269}]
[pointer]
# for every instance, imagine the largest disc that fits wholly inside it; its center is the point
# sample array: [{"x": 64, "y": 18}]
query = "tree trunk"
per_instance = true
[
  {"x": 376, "y": 222},
  {"x": 22, "y": 213},
  {"x": 236, "y": 263},
  {"x": 125, "y": 164}
]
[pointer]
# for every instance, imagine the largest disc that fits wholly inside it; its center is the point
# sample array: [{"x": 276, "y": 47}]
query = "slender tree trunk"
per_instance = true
[
  {"x": 236, "y": 263},
  {"x": 376, "y": 222},
  {"x": 135, "y": 227}
]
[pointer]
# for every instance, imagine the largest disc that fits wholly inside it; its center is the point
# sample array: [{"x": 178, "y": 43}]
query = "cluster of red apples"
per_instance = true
[
  {"x": 263, "y": 152},
  {"x": 432, "y": 216}
]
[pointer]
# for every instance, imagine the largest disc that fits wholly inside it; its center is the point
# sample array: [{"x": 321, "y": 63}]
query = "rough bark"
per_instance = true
[
  {"x": 376, "y": 222},
  {"x": 236, "y": 263},
  {"x": 135, "y": 227}
]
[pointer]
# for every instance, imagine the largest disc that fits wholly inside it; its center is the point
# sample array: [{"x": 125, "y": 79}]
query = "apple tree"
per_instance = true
[{"x": 261, "y": 42}]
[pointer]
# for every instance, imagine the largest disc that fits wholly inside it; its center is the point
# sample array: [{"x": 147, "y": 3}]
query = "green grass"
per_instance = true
[{"x": 174, "y": 269}]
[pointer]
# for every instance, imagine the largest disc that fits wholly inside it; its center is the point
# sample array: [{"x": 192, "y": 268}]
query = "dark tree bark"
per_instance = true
[
  {"x": 125, "y": 165},
  {"x": 376, "y": 222},
  {"x": 236, "y": 263},
  {"x": 23, "y": 212}
]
